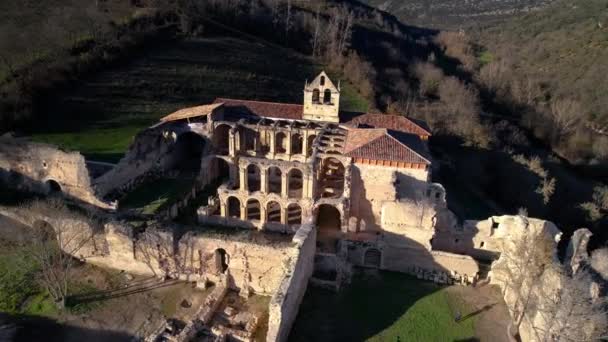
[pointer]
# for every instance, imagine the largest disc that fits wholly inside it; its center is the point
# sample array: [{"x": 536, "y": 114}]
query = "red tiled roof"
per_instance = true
[
  {"x": 264, "y": 109},
  {"x": 383, "y": 144},
  {"x": 394, "y": 122}
]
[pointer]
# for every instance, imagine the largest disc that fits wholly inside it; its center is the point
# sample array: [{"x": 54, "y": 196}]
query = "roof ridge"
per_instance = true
[
  {"x": 397, "y": 116},
  {"x": 257, "y": 101}
]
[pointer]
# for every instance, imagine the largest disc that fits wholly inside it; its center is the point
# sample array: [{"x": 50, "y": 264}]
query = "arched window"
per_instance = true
[
  {"x": 294, "y": 183},
  {"x": 296, "y": 143},
  {"x": 273, "y": 212},
  {"x": 274, "y": 180},
  {"x": 221, "y": 260},
  {"x": 253, "y": 178},
  {"x": 253, "y": 209},
  {"x": 311, "y": 140},
  {"x": 294, "y": 214},
  {"x": 327, "y": 96},
  {"x": 322, "y": 80},
  {"x": 221, "y": 137},
  {"x": 280, "y": 143},
  {"x": 234, "y": 207},
  {"x": 316, "y": 96},
  {"x": 53, "y": 187}
]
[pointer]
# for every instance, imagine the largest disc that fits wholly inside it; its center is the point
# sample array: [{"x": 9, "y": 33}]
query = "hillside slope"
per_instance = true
[
  {"x": 455, "y": 14},
  {"x": 564, "y": 50}
]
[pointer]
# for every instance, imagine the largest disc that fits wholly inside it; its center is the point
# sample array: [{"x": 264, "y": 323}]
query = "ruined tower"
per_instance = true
[{"x": 321, "y": 99}]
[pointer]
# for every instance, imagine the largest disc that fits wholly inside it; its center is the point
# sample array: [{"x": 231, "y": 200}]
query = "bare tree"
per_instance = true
[
  {"x": 316, "y": 29},
  {"x": 569, "y": 311},
  {"x": 598, "y": 206},
  {"x": 54, "y": 247},
  {"x": 566, "y": 114}
]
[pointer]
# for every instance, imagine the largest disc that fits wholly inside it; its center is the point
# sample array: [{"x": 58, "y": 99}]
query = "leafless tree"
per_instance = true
[
  {"x": 566, "y": 114},
  {"x": 155, "y": 249},
  {"x": 569, "y": 311},
  {"x": 598, "y": 206},
  {"x": 316, "y": 32},
  {"x": 55, "y": 246}
]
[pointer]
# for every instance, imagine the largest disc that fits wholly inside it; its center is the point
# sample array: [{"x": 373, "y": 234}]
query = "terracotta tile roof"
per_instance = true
[
  {"x": 383, "y": 144},
  {"x": 393, "y": 122},
  {"x": 191, "y": 112},
  {"x": 264, "y": 109}
]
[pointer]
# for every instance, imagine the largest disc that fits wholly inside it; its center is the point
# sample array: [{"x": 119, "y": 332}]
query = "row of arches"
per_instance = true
[
  {"x": 295, "y": 180},
  {"x": 263, "y": 141},
  {"x": 272, "y": 213}
]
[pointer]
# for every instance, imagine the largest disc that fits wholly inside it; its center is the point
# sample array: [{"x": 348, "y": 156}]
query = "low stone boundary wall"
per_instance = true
[{"x": 284, "y": 305}]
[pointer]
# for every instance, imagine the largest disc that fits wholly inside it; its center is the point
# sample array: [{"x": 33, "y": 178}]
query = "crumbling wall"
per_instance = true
[
  {"x": 286, "y": 301},
  {"x": 37, "y": 167},
  {"x": 374, "y": 185}
]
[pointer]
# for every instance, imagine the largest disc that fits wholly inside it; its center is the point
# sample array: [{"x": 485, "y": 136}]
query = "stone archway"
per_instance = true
[
  {"x": 280, "y": 143},
  {"x": 274, "y": 180},
  {"x": 233, "y": 207},
  {"x": 253, "y": 178},
  {"x": 329, "y": 228},
  {"x": 188, "y": 152},
  {"x": 273, "y": 212},
  {"x": 294, "y": 214},
  {"x": 221, "y": 260},
  {"x": 295, "y": 181},
  {"x": 309, "y": 143},
  {"x": 297, "y": 144},
  {"x": 52, "y": 187},
  {"x": 253, "y": 209}
]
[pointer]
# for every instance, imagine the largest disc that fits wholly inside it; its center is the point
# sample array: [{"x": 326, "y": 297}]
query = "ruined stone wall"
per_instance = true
[
  {"x": 152, "y": 151},
  {"x": 373, "y": 185},
  {"x": 285, "y": 303},
  {"x": 33, "y": 167}
]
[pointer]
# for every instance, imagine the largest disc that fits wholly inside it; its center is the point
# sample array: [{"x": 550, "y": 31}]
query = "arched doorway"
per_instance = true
[
  {"x": 294, "y": 214},
  {"x": 329, "y": 226},
  {"x": 294, "y": 183},
  {"x": 52, "y": 187},
  {"x": 234, "y": 207},
  {"x": 253, "y": 178},
  {"x": 273, "y": 212},
  {"x": 221, "y": 260},
  {"x": 332, "y": 178},
  {"x": 372, "y": 258},
  {"x": 221, "y": 139},
  {"x": 253, "y": 209},
  {"x": 188, "y": 152},
  {"x": 274, "y": 180}
]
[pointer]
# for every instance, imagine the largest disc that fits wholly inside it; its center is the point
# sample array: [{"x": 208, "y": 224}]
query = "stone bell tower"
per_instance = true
[{"x": 321, "y": 99}]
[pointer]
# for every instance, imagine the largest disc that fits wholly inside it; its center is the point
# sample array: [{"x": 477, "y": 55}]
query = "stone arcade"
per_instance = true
[{"x": 312, "y": 190}]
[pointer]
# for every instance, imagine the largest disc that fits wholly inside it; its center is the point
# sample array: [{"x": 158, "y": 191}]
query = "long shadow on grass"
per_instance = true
[
  {"x": 134, "y": 288},
  {"x": 25, "y": 328}
]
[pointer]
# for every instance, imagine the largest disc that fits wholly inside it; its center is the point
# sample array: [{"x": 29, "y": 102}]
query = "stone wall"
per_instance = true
[
  {"x": 37, "y": 167},
  {"x": 374, "y": 185},
  {"x": 285, "y": 303}
]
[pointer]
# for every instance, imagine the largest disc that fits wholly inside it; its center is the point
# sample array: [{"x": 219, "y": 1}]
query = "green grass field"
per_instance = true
[
  {"x": 382, "y": 307},
  {"x": 151, "y": 197},
  {"x": 100, "y": 115}
]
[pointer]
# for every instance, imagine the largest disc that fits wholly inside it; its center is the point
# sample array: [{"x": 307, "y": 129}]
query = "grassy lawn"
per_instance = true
[
  {"x": 150, "y": 197},
  {"x": 100, "y": 115},
  {"x": 382, "y": 307}
]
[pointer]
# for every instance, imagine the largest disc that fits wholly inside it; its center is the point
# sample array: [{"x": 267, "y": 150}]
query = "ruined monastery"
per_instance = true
[{"x": 285, "y": 196}]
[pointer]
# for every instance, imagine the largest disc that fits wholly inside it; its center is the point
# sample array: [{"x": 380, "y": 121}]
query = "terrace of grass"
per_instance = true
[
  {"x": 151, "y": 197},
  {"x": 382, "y": 306},
  {"x": 100, "y": 115}
]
